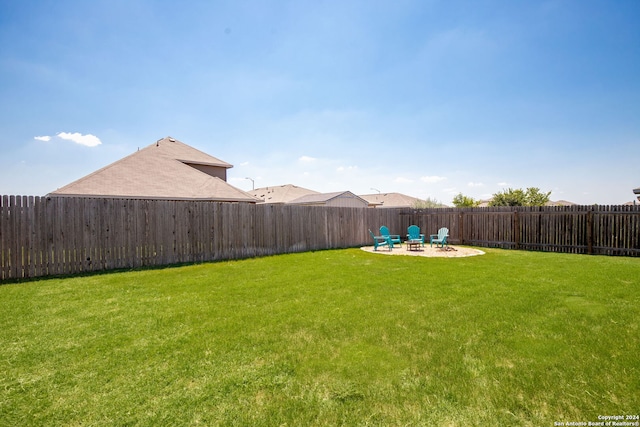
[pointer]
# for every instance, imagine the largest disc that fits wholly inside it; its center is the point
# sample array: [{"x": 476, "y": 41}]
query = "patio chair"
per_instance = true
[
  {"x": 440, "y": 238},
  {"x": 395, "y": 238},
  {"x": 381, "y": 241},
  {"x": 413, "y": 233}
]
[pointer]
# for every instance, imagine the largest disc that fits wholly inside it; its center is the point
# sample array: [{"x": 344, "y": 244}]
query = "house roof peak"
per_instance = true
[{"x": 166, "y": 169}]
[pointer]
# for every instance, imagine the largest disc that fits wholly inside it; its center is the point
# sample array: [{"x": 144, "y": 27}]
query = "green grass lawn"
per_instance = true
[{"x": 339, "y": 337}]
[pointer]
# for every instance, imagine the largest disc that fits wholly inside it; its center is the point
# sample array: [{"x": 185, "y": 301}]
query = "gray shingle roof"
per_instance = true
[
  {"x": 390, "y": 200},
  {"x": 321, "y": 198},
  {"x": 280, "y": 193},
  {"x": 160, "y": 171},
  {"x": 317, "y": 198}
]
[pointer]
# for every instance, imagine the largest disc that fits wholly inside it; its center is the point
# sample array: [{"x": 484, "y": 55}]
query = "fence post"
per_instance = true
[
  {"x": 590, "y": 231},
  {"x": 461, "y": 219},
  {"x": 516, "y": 229}
]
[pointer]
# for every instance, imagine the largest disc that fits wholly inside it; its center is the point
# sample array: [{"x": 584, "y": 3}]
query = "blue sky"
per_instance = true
[{"x": 426, "y": 98}]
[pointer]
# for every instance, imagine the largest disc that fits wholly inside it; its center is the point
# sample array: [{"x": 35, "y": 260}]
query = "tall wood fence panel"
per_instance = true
[
  {"x": 57, "y": 236},
  {"x": 597, "y": 230}
]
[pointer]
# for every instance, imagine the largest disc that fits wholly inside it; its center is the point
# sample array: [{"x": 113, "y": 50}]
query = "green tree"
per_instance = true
[
  {"x": 537, "y": 198},
  {"x": 519, "y": 197},
  {"x": 426, "y": 204},
  {"x": 462, "y": 201}
]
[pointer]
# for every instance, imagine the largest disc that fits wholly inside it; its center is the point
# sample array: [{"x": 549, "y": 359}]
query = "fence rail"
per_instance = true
[{"x": 58, "y": 236}]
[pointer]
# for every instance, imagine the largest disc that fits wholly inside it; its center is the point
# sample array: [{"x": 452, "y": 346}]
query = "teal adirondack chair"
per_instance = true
[
  {"x": 440, "y": 238},
  {"x": 381, "y": 241},
  {"x": 395, "y": 238},
  {"x": 413, "y": 233}
]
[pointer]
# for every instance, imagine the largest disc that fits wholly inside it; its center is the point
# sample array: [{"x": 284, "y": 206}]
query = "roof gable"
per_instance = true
[
  {"x": 160, "y": 171},
  {"x": 171, "y": 148},
  {"x": 390, "y": 200},
  {"x": 320, "y": 198},
  {"x": 281, "y": 193}
]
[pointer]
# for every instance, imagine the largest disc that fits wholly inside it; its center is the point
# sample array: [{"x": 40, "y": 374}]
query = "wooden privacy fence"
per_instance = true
[
  {"x": 595, "y": 230},
  {"x": 52, "y": 236},
  {"x": 55, "y": 236}
]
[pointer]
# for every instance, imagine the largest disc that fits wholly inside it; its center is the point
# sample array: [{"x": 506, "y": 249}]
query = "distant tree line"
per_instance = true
[
  {"x": 427, "y": 204},
  {"x": 532, "y": 196}
]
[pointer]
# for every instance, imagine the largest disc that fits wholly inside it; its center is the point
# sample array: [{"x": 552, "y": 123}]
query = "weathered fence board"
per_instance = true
[{"x": 57, "y": 236}]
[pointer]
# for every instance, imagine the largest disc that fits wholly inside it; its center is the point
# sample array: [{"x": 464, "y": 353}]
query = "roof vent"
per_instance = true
[{"x": 172, "y": 139}]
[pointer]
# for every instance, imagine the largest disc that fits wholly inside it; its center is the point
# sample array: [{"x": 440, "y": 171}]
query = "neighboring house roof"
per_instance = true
[
  {"x": 389, "y": 200},
  {"x": 166, "y": 169},
  {"x": 559, "y": 203},
  {"x": 340, "y": 198},
  {"x": 280, "y": 193}
]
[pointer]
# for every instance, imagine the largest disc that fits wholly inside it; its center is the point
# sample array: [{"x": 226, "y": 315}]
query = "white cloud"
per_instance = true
[
  {"x": 346, "y": 168},
  {"x": 402, "y": 180},
  {"x": 244, "y": 164},
  {"x": 451, "y": 190},
  {"x": 475, "y": 184},
  {"x": 432, "y": 179},
  {"x": 307, "y": 159},
  {"x": 42, "y": 138},
  {"x": 86, "y": 140},
  {"x": 503, "y": 184}
]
